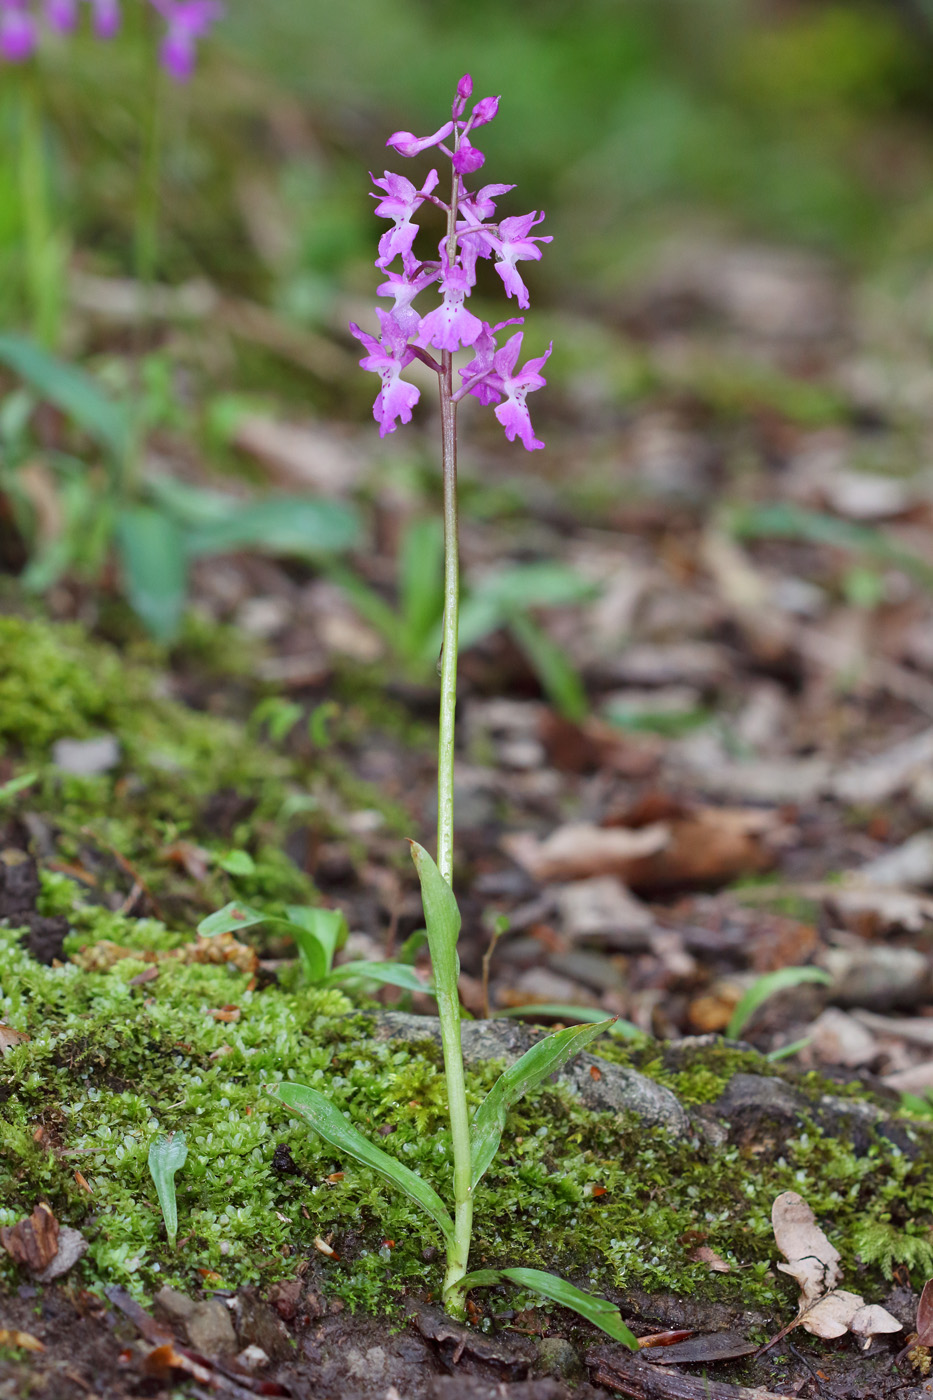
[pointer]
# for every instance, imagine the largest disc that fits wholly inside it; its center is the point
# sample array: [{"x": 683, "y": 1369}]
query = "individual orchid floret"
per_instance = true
[
  {"x": 513, "y": 414},
  {"x": 467, "y": 158},
  {"x": 482, "y": 204},
  {"x": 388, "y": 357},
  {"x": 511, "y": 246},
  {"x": 409, "y": 145},
  {"x": 404, "y": 287},
  {"x": 186, "y": 21},
  {"x": 486, "y": 110},
  {"x": 400, "y": 202},
  {"x": 464, "y": 93},
  {"x": 479, "y": 376},
  {"x": 451, "y": 326},
  {"x": 17, "y": 31}
]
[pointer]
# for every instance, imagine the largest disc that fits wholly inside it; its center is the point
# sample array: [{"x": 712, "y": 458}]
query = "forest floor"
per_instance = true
[{"x": 737, "y": 566}]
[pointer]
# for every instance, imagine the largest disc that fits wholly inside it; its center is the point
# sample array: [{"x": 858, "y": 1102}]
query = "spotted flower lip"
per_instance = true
[{"x": 407, "y": 333}]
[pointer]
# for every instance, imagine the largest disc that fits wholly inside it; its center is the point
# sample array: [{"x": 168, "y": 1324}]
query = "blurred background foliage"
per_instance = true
[{"x": 628, "y": 120}]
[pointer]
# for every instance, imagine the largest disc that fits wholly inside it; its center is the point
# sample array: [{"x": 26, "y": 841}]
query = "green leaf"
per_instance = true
[
  {"x": 551, "y": 664},
  {"x": 70, "y": 389},
  {"x": 599, "y": 1311},
  {"x": 16, "y": 785},
  {"x": 155, "y": 570},
  {"x": 527, "y": 1073},
  {"x": 442, "y": 918},
  {"x": 564, "y": 1011},
  {"x": 766, "y": 987},
  {"x": 167, "y": 1153},
  {"x": 388, "y": 974},
  {"x": 231, "y": 917},
  {"x": 421, "y": 581},
  {"x": 279, "y": 525},
  {"x": 318, "y": 934},
  {"x": 330, "y": 1124},
  {"x": 238, "y": 862},
  {"x": 546, "y": 584}
]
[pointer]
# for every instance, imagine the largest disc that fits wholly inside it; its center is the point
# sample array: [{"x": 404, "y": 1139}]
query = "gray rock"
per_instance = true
[
  {"x": 175, "y": 1306},
  {"x": 86, "y": 757},
  {"x": 556, "y": 1357},
  {"x": 615, "y": 1089},
  {"x": 210, "y": 1329},
  {"x": 72, "y": 1246},
  {"x": 258, "y": 1325},
  {"x": 875, "y": 976}
]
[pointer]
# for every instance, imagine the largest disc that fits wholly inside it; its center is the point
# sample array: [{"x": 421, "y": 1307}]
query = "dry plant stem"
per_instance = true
[{"x": 448, "y": 1001}]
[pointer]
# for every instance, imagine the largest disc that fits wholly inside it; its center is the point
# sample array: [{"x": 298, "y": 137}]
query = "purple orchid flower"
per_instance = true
[
  {"x": 491, "y": 375},
  {"x": 61, "y": 14},
  {"x": 388, "y": 358},
  {"x": 186, "y": 21}
]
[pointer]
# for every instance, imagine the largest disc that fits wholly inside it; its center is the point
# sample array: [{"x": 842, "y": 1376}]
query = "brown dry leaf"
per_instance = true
[
  {"x": 925, "y": 1315},
  {"x": 9, "y": 1038},
  {"x": 226, "y": 1013},
  {"x": 302, "y": 455},
  {"x": 34, "y": 1240},
  {"x": 704, "y": 1255},
  {"x": 12, "y": 1337},
  {"x": 825, "y": 1311},
  {"x": 811, "y": 1259},
  {"x": 580, "y": 850}
]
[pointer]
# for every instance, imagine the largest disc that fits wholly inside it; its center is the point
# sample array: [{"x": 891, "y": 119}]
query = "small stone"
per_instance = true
[
  {"x": 71, "y": 1247},
  {"x": 602, "y": 907},
  {"x": 259, "y": 1326},
  {"x": 876, "y": 976},
  {"x": 253, "y": 1358},
  {"x": 838, "y": 1039},
  {"x": 210, "y": 1329},
  {"x": 86, "y": 757},
  {"x": 556, "y": 1357},
  {"x": 176, "y": 1306}
]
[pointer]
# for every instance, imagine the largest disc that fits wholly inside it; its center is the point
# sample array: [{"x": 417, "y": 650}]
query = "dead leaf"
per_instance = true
[
  {"x": 811, "y": 1259},
  {"x": 580, "y": 850},
  {"x": 11, "y": 1337},
  {"x": 925, "y": 1315},
  {"x": 34, "y": 1240},
  {"x": 220, "y": 948},
  {"x": 825, "y": 1310},
  {"x": 226, "y": 1013},
  {"x": 9, "y": 1038},
  {"x": 704, "y": 1255}
]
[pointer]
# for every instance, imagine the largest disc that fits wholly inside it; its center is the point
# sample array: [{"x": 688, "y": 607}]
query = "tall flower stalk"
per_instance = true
[{"x": 492, "y": 375}]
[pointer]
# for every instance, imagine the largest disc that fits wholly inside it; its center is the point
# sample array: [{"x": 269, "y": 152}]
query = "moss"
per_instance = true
[{"x": 596, "y": 1196}]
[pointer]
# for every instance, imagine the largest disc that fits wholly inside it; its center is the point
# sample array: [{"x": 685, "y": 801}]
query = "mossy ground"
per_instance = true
[{"x": 110, "y": 1062}]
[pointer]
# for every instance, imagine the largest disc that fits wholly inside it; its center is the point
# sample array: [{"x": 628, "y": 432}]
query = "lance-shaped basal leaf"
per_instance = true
[
  {"x": 441, "y": 916},
  {"x": 318, "y": 933},
  {"x": 387, "y": 974},
  {"x": 330, "y": 1124},
  {"x": 167, "y": 1153},
  {"x": 532, "y": 1069},
  {"x": 567, "y": 1011},
  {"x": 599, "y": 1311},
  {"x": 765, "y": 987}
]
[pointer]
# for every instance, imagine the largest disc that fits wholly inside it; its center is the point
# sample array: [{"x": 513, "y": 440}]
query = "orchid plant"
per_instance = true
[{"x": 494, "y": 376}]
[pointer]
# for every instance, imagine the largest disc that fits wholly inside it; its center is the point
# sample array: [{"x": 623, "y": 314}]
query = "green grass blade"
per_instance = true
[
  {"x": 167, "y": 1153},
  {"x": 599, "y": 1311},
  {"x": 551, "y": 664},
  {"x": 330, "y": 1124},
  {"x": 564, "y": 1011},
  {"x": 765, "y": 987},
  {"x": 387, "y": 974},
  {"x": 527, "y": 1073}
]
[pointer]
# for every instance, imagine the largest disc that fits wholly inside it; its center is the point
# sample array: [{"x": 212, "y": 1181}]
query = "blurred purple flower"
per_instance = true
[
  {"x": 17, "y": 31},
  {"x": 186, "y": 21}
]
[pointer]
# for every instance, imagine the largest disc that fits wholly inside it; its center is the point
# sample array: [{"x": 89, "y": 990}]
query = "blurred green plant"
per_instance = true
[
  {"x": 504, "y": 599},
  {"x": 156, "y": 524}
]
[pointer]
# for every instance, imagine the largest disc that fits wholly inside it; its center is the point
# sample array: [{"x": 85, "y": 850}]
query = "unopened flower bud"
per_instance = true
[{"x": 485, "y": 111}]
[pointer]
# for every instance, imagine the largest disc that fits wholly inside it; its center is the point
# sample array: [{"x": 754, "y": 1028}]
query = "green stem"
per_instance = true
[
  {"x": 448, "y": 1000},
  {"x": 145, "y": 239},
  {"x": 42, "y": 252}
]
